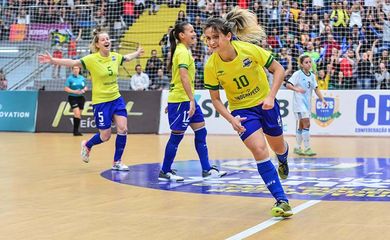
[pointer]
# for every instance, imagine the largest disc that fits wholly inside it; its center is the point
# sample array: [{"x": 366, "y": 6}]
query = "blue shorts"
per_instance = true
[
  {"x": 178, "y": 115},
  {"x": 104, "y": 112},
  {"x": 256, "y": 118}
]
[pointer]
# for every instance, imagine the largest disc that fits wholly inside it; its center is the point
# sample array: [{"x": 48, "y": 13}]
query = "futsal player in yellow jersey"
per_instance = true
[
  {"x": 108, "y": 105},
  {"x": 183, "y": 111},
  {"x": 238, "y": 66}
]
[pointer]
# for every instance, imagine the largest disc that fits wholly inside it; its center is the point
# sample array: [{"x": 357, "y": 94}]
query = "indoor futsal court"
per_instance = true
[{"x": 47, "y": 192}]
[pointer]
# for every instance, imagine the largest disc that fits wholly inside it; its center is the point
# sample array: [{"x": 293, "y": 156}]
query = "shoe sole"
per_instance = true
[
  {"x": 86, "y": 160},
  {"x": 215, "y": 177},
  {"x": 169, "y": 180},
  {"x": 279, "y": 212}
]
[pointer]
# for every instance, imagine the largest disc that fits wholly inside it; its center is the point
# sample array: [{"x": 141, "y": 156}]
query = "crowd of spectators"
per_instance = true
[{"x": 348, "y": 41}]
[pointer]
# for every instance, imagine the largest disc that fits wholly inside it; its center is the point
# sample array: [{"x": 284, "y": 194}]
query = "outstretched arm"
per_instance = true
[{"x": 47, "y": 58}]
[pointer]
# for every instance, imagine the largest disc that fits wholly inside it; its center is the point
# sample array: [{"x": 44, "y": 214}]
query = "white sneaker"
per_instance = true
[
  {"x": 213, "y": 173},
  {"x": 169, "y": 176},
  {"x": 84, "y": 152},
  {"x": 118, "y": 166}
]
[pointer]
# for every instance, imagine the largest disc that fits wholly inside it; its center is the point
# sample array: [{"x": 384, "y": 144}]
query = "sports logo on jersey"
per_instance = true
[
  {"x": 246, "y": 62},
  {"x": 220, "y": 73},
  {"x": 324, "y": 116},
  {"x": 113, "y": 58}
]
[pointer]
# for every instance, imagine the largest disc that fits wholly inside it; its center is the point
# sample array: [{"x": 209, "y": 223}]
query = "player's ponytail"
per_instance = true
[
  {"x": 243, "y": 24},
  {"x": 173, "y": 37}
]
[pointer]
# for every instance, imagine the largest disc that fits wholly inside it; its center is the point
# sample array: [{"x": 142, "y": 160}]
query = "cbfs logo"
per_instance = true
[
  {"x": 324, "y": 115},
  {"x": 373, "y": 110}
]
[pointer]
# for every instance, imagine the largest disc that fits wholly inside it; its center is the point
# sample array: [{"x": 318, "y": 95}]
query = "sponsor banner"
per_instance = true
[
  {"x": 55, "y": 114},
  {"x": 349, "y": 113},
  {"x": 18, "y": 110},
  {"x": 17, "y": 32},
  {"x": 41, "y": 32}
]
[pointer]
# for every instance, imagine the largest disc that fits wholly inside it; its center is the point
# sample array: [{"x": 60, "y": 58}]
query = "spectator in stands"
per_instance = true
[
  {"x": 140, "y": 80},
  {"x": 364, "y": 68},
  {"x": 23, "y": 17},
  {"x": 346, "y": 67},
  {"x": 139, "y": 7},
  {"x": 356, "y": 15},
  {"x": 57, "y": 53},
  {"x": 128, "y": 12},
  {"x": 323, "y": 78},
  {"x": 100, "y": 19},
  {"x": 152, "y": 65},
  {"x": 181, "y": 17},
  {"x": 340, "y": 17},
  {"x": 314, "y": 56},
  {"x": 72, "y": 44},
  {"x": 76, "y": 86},
  {"x": 382, "y": 78},
  {"x": 273, "y": 15},
  {"x": 3, "y": 81},
  {"x": 153, "y": 7},
  {"x": 385, "y": 27},
  {"x": 108, "y": 104},
  {"x": 286, "y": 61},
  {"x": 174, "y": 3},
  {"x": 161, "y": 82},
  {"x": 164, "y": 43}
]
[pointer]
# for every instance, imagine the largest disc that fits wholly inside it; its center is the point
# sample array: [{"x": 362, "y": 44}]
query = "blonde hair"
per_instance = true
[
  {"x": 243, "y": 24},
  {"x": 96, "y": 34}
]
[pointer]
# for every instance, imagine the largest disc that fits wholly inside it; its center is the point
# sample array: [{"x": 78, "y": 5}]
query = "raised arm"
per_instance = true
[{"x": 131, "y": 56}]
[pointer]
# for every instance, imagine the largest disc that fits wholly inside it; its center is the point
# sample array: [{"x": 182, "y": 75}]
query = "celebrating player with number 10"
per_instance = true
[
  {"x": 238, "y": 67},
  {"x": 108, "y": 105}
]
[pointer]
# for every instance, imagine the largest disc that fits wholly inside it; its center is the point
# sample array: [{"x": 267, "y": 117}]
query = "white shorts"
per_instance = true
[{"x": 302, "y": 115}]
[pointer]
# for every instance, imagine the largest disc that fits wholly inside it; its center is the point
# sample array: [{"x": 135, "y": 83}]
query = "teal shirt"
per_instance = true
[{"x": 75, "y": 83}]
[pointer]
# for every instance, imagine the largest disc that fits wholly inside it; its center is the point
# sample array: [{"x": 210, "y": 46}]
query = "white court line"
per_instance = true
[{"x": 270, "y": 222}]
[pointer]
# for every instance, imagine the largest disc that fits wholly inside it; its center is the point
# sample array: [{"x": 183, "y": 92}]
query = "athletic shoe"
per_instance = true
[
  {"x": 84, "y": 152},
  {"x": 169, "y": 176},
  {"x": 309, "y": 152},
  {"x": 77, "y": 134},
  {"x": 213, "y": 173},
  {"x": 281, "y": 209},
  {"x": 298, "y": 151},
  {"x": 283, "y": 170},
  {"x": 118, "y": 166}
]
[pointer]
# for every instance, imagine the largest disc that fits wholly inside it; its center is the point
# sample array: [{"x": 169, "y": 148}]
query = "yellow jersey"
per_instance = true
[
  {"x": 243, "y": 79},
  {"x": 182, "y": 58},
  {"x": 104, "y": 73},
  {"x": 323, "y": 84}
]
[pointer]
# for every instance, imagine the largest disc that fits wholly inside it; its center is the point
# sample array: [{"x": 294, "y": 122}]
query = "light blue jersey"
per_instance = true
[
  {"x": 302, "y": 101},
  {"x": 75, "y": 83}
]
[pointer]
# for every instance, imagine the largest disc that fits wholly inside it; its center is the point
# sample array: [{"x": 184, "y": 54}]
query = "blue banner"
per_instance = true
[{"x": 18, "y": 110}]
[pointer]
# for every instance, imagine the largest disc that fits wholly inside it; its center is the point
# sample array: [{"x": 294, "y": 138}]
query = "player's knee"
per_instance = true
[
  {"x": 176, "y": 137},
  {"x": 105, "y": 136}
]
